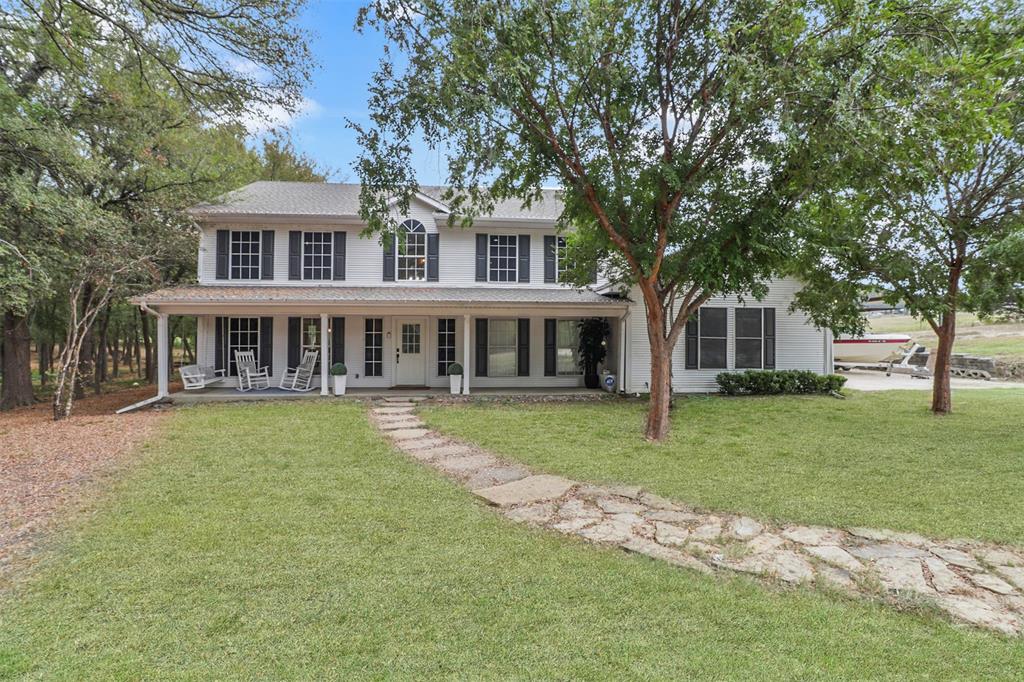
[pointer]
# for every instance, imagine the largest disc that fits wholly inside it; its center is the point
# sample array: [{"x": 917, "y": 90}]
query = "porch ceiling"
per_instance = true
[{"x": 484, "y": 299}]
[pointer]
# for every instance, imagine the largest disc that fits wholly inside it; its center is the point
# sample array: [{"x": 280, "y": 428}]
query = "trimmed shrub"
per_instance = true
[
  {"x": 339, "y": 369},
  {"x": 455, "y": 369},
  {"x": 778, "y": 382}
]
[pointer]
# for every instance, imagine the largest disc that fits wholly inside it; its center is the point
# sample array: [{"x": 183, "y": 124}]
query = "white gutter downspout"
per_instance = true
[
  {"x": 162, "y": 351},
  {"x": 622, "y": 351}
]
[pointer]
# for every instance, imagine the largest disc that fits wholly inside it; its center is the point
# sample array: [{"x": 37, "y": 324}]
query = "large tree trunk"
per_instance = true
[
  {"x": 44, "y": 350},
  {"x": 942, "y": 400},
  {"x": 17, "y": 363},
  {"x": 661, "y": 376},
  {"x": 100, "y": 375}
]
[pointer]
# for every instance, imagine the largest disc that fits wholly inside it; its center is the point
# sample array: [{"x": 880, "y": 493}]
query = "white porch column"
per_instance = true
[
  {"x": 163, "y": 352},
  {"x": 621, "y": 387},
  {"x": 323, "y": 353},
  {"x": 465, "y": 355}
]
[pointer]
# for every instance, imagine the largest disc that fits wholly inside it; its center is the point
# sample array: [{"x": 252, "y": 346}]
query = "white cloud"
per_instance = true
[{"x": 264, "y": 119}]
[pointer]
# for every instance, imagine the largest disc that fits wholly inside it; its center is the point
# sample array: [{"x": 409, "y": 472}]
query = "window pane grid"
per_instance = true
[
  {"x": 411, "y": 338},
  {"x": 311, "y": 339},
  {"x": 412, "y": 251},
  {"x": 567, "y": 342},
  {"x": 445, "y": 345},
  {"x": 374, "y": 348},
  {"x": 501, "y": 348},
  {"x": 245, "y": 254},
  {"x": 503, "y": 257},
  {"x": 317, "y": 255},
  {"x": 561, "y": 263},
  {"x": 243, "y": 335}
]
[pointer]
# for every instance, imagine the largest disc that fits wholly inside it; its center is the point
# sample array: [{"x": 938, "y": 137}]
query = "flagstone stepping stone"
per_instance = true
[
  {"x": 495, "y": 475},
  {"x": 408, "y": 434},
  {"x": 392, "y": 410},
  {"x": 837, "y": 577},
  {"x": 887, "y": 550},
  {"x": 667, "y": 534},
  {"x": 979, "y": 612},
  {"x": 655, "y": 502},
  {"x": 400, "y": 416},
  {"x": 1013, "y": 574},
  {"x": 707, "y": 531},
  {"x": 766, "y": 542},
  {"x": 465, "y": 464},
  {"x": 745, "y": 528},
  {"x": 427, "y": 443},
  {"x": 445, "y": 449},
  {"x": 608, "y": 531},
  {"x": 883, "y": 535},
  {"x": 530, "y": 489},
  {"x": 653, "y": 550},
  {"x": 957, "y": 558},
  {"x": 610, "y": 505},
  {"x": 812, "y": 535},
  {"x": 672, "y": 516},
  {"x": 942, "y": 578},
  {"x": 1000, "y": 557},
  {"x": 789, "y": 566},
  {"x": 402, "y": 424},
  {"x": 404, "y": 399},
  {"x": 577, "y": 508},
  {"x": 836, "y": 556},
  {"x": 902, "y": 573},
  {"x": 992, "y": 583},
  {"x": 535, "y": 514},
  {"x": 573, "y": 525}
]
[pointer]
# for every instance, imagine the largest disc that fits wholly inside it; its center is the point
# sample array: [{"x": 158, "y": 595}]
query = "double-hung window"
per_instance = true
[
  {"x": 503, "y": 255},
  {"x": 561, "y": 262},
  {"x": 374, "y": 347},
  {"x": 245, "y": 254},
  {"x": 714, "y": 327},
  {"x": 567, "y": 348},
  {"x": 445, "y": 345},
  {"x": 317, "y": 252},
  {"x": 502, "y": 337},
  {"x": 412, "y": 251},
  {"x": 749, "y": 338},
  {"x": 243, "y": 335}
]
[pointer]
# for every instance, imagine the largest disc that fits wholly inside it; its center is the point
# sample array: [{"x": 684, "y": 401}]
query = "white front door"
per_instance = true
[{"x": 410, "y": 351}]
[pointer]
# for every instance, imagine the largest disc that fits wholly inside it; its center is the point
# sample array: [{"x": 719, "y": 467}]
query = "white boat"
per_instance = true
[{"x": 869, "y": 348}]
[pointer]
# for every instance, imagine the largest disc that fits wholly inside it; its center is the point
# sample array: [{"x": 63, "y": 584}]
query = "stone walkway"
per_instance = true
[{"x": 972, "y": 582}]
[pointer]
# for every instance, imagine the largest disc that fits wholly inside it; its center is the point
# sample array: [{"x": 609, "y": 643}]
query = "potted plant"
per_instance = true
[
  {"x": 340, "y": 373},
  {"x": 593, "y": 348},
  {"x": 455, "y": 377}
]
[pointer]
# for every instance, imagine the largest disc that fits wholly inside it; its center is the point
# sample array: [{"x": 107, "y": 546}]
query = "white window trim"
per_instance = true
[
  {"x": 256, "y": 348},
  {"x": 410, "y": 226},
  {"x": 737, "y": 337},
  {"x": 330, "y": 257},
  {"x": 366, "y": 346},
  {"x": 231, "y": 255},
  {"x": 701, "y": 337},
  {"x": 560, "y": 246},
  {"x": 515, "y": 347},
  {"x": 515, "y": 259},
  {"x": 454, "y": 347}
]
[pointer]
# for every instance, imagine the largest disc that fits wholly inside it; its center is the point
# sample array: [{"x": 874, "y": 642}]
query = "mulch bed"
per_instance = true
[{"x": 49, "y": 469}]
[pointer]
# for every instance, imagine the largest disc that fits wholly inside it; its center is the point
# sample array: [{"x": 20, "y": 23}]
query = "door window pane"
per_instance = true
[
  {"x": 501, "y": 348},
  {"x": 445, "y": 345},
  {"x": 311, "y": 339},
  {"x": 243, "y": 335},
  {"x": 373, "y": 359},
  {"x": 411, "y": 338}
]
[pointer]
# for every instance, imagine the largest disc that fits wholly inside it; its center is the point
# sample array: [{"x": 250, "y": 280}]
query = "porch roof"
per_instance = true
[{"x": 237, "y": 295}]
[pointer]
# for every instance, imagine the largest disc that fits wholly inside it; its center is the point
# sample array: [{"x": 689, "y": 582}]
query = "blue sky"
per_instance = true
[{"x": 337, "y": 92}]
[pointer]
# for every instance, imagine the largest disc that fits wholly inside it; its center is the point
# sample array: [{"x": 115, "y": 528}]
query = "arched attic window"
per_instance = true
[{"x": 412, "y": 251}]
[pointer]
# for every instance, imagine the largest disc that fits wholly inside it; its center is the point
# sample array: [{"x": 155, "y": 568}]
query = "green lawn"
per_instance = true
[
  {"x": 874, "y": 459},
  {"x": 287, "y": 541},
  {"x": 1003, "y": 340}
]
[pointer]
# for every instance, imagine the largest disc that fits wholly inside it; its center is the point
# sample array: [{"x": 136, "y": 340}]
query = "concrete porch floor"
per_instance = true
[{"x": 227, "y": 394}]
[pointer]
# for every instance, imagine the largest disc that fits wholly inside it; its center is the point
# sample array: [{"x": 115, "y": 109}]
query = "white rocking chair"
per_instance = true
[
  {"x": 250, "y": 377},
  {"x": 196, "y": 376},
  {"x": 300, "y": 378}
]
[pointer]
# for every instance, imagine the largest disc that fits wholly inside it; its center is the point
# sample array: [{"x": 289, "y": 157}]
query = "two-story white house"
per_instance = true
[{"x": 283, "y": 268}]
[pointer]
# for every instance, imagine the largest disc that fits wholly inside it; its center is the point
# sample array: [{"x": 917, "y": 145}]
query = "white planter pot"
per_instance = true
[
  {"x": 339, "y": 384},
  {"x": 456, "y": 383}
]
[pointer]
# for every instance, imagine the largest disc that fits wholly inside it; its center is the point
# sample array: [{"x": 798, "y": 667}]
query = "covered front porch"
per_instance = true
[
  {"x": 230, "y": 395},
  {"x": 509, "y": 342}
]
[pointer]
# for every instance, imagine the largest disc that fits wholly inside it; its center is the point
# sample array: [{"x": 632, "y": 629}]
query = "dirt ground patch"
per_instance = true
[{"x": 48, "y": 469}]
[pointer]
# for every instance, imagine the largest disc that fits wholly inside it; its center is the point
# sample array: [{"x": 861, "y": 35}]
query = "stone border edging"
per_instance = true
[{"x": 973, "y": 582}]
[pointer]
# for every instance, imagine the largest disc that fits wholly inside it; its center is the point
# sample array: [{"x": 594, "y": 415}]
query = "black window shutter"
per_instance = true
[
  {"x": 294, "y": 254},
  {"x": 550, "y": 330},
  {"x": 337, "y": 339},
  {"x": 223, "y": 253},
  {"x": 523, "y": 341},
  {"x": 220, "y": 341},
  {"x": 390, "y": 248},
  {"x": 692, "y": 340},
  {"x": 433, "y": 248},
  {"x": 549, "y": 258},
  {"x": 267, "y": 255},
  {"x": 481, "y": 258},
  {"x": 593, "y": 274},
  {"x": 294, "y": 341},
  {"x": 339, "y": 255},
  {"x": 524, "y": 258},
  {"x": 267, "y": 344},
  {"x": 769, "y": 338},
  {"x": 481, "y": 346}
]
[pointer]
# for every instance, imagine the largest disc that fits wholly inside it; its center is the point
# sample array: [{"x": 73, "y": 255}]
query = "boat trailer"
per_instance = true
[{"x": 900, "y": 364}]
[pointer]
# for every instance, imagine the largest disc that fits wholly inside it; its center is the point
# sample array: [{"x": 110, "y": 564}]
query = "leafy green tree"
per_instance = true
[
  {"x": 934, "y": 165},
  {"x": 279, "y": 160},
  {"x": 682, "y": 134}
]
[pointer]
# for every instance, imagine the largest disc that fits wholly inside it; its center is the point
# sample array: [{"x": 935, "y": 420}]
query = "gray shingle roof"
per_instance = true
[
  {"x": 235, "y": 294},
  {"x": 342, "y": 199}
]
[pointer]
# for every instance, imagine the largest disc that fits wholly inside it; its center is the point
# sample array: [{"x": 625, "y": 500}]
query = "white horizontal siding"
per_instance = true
[
  {"x": 364, "y": 263},
  {"x": 798, "y": 345}
]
